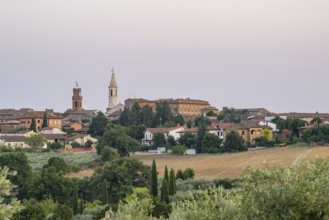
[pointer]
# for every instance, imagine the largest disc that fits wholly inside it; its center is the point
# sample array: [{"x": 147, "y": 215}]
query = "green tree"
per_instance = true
[
  {"x": 154, "y": 180},
  {"x": 234, "y": 142},
  {"x": 147, "y": 116},
  {"x": 33, "y": 126},
  {"x": 50, "y": 184},
  {"x": 188, "y": 173},
  {"x": 125, "y": 117},
  {"x": 109, "y": 154},
  {"x": 171, "y": 141},
  {"x": 58, "y": 164},
  {"x": 98, "y": 125},
  {"x": 116, "y": 137},
  {"x": 165, "y": 191},
  {"x": 17, "y": 162},
  {"x": 136, "y": 132},
  {"x": 159, "y": 140},
  {"x": 189, "y": 124},
  {"x": 202, "y": 130},
  {"x": 63, "y": 212},
  {"x": 210, "y": 204},
  {"x": 178, "y": 150},
  {"x": 188, "y": 139},
  {"x": 8, "y": 208},
  {"x": 172, "y": 183},
  {"x": 35, "y": 141},
  {"x": 105, "y": 199},
  {"x": 75, "y": 204},
  {"x": 296, "y": 192},
  {"x": 232, "y": 115},
  {"x": 210, "y": 143},
  {"x": 179, "y": 120},
  {"x": 122, "y": 174},
  {"x": 45, "y": 120},
  {"x": 166, "y": 174},
  {"x": 81, "y": 206},
  {"x": 163, "y": 114},
  {"x": 266, "y": 134},
  {"x": 306, "y": 135}
]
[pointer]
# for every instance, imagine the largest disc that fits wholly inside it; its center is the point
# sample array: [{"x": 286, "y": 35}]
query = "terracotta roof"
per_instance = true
[
  {"x": 54, "y": 136},
  {"x": 189, "y": 130},
  {"x": 9, "y": 122},
  {"x": 38, "y": 116},
  {"x": 251, "y": 124},
  {"x": 46, "y": 129},
  {"x": 222, "y": 125},
  {"x": 73, "y": 138},
  {"x": 304, "y": 115},
  {"x": 161, "y": 130},
  {"x": 13, "y": 138}
]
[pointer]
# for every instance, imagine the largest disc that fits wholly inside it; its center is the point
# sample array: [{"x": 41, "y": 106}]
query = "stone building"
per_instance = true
[{"x": 186, "y": 107}]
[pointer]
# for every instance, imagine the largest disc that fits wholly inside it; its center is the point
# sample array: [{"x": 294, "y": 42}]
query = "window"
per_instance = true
[{"x": 243, "y": 133}]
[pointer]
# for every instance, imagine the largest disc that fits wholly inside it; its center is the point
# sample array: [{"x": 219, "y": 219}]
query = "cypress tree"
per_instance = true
[
  {"x": 154, "y": 180},
  {"x": 165, "y": 192},
  {"x": 105, "y": 199},
  {"x": 81, "y": 208},
  {"x": 166, "y": 175},
  {"x": 45, "y": 120},
  {"x": 33, "y": 126},
  {"x": 172, "y": 183},
  {"x": 75, "y": 199}
]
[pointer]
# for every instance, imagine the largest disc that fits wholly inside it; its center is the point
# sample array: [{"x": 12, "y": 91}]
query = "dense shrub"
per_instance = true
[
  {"x": 188, "y": 173},
  {"x": 178, "y": 150},
  {"x": 59, "y": 164}
]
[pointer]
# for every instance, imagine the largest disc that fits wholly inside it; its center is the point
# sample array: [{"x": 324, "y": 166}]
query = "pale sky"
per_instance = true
[{"x": 235, "y": 53}]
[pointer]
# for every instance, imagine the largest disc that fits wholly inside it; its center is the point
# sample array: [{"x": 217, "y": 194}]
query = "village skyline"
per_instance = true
[{"x": 236, "y": 54}]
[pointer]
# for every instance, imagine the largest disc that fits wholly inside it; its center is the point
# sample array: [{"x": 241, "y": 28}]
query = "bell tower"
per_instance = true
[
  {"x": 113, "y": 92},
  {"x": 77, "y": 99}
]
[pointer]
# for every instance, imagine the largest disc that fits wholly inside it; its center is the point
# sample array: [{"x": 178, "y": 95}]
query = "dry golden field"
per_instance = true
[
  {"x": 230, "y": 165},
  {"x": 227, "y": 165}
]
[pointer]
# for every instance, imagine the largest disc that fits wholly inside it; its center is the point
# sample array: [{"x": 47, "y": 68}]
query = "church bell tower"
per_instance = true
[
  {"x": 113, "y": 92},
  {"x": 77, "y": 99}
]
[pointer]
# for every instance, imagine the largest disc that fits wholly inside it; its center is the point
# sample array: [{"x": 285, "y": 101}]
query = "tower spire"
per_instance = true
[{"x": 113, "y": 83}]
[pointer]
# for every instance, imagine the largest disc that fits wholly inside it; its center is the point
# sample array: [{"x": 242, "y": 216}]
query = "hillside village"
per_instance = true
[{"x": 73, "y": 125}]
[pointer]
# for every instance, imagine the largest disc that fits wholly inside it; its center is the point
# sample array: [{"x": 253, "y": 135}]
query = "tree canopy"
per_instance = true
[{"x": 98, "y": 125}]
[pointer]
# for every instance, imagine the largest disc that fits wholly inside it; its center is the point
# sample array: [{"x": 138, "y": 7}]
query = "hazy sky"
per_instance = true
[{"x": 239, "y": 53}]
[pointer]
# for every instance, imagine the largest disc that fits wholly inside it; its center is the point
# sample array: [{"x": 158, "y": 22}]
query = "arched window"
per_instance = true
[{"x": 111, "y": 92}]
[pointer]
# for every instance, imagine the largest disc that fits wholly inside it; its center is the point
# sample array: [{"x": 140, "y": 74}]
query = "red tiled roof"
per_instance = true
[
  {"x": 49, "y": 137},
  {"x": 189, "y": 130},
  {"x": 13, "y": 138},
  {"x": 161, "y": 130}
]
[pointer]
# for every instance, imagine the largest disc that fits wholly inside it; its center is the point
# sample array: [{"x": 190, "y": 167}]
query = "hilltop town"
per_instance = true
[{"x": 73, "y": 125}]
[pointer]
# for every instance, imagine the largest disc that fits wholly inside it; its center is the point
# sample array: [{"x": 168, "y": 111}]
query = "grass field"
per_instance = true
[
  {"x": 75, "y": 160},
  {"x": 230, "y": 165}
]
